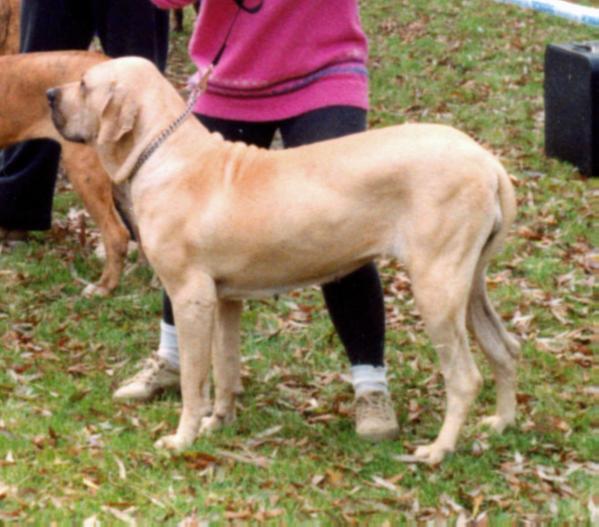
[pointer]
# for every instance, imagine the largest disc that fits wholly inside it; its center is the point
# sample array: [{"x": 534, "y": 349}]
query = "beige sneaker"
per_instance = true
[
  {"x": 375, "y": 417},
  {"x": 154, "y": 376}
]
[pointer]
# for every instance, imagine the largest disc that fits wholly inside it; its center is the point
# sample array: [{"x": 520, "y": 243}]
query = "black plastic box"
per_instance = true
[{"x": 572, "y": 104}]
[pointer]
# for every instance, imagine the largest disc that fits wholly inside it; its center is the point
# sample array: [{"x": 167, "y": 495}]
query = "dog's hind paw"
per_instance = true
[
  {"x": 497, "y": 422},
  {"x": 431, "y": 454},
  {"x": 173, "y": 442}
]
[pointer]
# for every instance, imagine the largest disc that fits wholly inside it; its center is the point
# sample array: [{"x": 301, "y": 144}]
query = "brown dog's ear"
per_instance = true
[{"x": 118, "y": 115}]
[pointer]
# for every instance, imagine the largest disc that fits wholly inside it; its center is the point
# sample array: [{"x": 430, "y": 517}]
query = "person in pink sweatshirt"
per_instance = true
[{"x": 299, "y": 68}]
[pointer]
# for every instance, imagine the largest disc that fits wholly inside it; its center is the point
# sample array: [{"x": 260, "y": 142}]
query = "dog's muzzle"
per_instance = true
[{"x": 53, "y": 95}]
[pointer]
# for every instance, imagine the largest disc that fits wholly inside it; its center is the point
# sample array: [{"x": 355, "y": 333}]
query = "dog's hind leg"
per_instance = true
[
  {"x": 441, "y": 293},
  {"x": 92, "y": 183},
  {"x": 226, "y": 365},
  {"x": 194, "y": 307},
  {"x": 499, "y": 347}
]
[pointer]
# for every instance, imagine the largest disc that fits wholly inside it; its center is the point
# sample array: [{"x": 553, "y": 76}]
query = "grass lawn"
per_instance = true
[{"x": 69, "y": 455}]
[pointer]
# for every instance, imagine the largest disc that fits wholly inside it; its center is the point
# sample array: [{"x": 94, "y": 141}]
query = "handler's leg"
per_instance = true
[
  {"x": 133, "y": 27},
  {"x": 355, "y": 302},
  {"x": 160, "y": 371},
  {"x": 28, "y": 170}
]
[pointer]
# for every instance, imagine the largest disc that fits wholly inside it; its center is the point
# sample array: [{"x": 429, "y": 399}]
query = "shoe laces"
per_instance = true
[
  {"x": 373, "y": 404},
  {"x": 150, "y": 368}
]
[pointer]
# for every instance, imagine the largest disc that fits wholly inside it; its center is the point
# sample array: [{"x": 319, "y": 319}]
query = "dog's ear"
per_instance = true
[{"x": 117, "y": 116}]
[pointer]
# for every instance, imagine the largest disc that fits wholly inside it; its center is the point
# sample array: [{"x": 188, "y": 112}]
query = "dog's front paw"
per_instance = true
[
  {"x": 173, "y": 442},
  {"x": 431, "y": 454},
  {"x": 92, "y": 290},
  {"x": 497, "y": 422}
]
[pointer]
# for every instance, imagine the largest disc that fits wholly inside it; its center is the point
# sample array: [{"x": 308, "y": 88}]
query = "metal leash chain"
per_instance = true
[{"x": 167, "y": 132}]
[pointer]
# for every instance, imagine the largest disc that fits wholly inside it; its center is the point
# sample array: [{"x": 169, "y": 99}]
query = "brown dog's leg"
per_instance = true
[
  {"x": 226, "y": 364},
  {"x": 194, "y": 306},
  {"x": 92, "y": 183}
]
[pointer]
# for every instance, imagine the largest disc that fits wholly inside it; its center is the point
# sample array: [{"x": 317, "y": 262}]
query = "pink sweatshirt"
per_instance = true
[{"x": 288, "y": 58}]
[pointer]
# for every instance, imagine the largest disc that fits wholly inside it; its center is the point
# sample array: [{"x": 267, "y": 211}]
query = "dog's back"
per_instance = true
[
  {"x": 9, "y": 26},
  {"x": 27, "y": 77}
]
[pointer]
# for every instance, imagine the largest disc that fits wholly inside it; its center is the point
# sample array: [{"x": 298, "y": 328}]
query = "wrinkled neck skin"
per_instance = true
[{"x": 120, "y": 157}]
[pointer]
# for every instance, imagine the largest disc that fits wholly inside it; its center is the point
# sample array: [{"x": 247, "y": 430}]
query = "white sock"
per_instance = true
[
  {"x": 368, "y": 378},
  {"x": 169, "y": 347}
]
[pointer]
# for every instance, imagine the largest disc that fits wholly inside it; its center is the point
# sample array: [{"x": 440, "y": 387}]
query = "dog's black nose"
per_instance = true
[{"x": 52, "y": 95}]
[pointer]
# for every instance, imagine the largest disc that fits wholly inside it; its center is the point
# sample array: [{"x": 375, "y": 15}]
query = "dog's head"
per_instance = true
[{"x": 101, "y": 108}]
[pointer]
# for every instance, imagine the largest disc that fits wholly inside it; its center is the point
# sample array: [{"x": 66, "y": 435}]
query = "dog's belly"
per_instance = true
[{"x": 246, "y": 290}]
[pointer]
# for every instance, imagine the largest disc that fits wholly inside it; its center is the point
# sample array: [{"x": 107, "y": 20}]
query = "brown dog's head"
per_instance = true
[{"x": 99, "y": 109}]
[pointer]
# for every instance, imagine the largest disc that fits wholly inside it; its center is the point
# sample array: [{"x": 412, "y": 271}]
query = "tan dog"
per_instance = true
[
  {"x": 10, "y": 15},
  {"x": 221, "y": 222},
  {"x": 24, "y": 114}
]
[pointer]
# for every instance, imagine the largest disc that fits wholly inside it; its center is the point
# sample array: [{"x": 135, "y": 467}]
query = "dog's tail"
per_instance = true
[{"x": 498, "y": 345}]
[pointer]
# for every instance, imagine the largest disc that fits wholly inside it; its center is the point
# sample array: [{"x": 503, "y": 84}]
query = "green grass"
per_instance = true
[{"x": 68, "y": 453}]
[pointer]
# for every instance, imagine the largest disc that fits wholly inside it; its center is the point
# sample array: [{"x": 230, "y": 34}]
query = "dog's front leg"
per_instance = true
[
  {"x": 227, "y": 365},
  {"x": 194, "y": 306}
]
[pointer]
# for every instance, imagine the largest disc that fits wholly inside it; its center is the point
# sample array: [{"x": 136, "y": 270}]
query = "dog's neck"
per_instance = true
[
  {"x": 122, "y": 195},
  {"x": 121, "y": 159}
]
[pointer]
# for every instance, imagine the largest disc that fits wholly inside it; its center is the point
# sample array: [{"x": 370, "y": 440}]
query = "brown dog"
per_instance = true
[
  {"x": 9, "y": 26},
  {"x": 222, "y": 221},
  {"x": 24, "y": 114}
]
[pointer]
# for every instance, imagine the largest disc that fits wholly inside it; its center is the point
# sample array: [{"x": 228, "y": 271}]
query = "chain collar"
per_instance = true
[{"x": 197, "y": 87}]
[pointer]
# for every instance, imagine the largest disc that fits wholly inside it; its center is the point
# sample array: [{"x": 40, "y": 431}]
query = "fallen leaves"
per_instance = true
[
  {"x": 121, "y": 468},
  {"x": 199, "y": 460},
  {"x": 7, "y": 491},
  {"x": 124, "y": 516},
  {"x": 247, "y": 458}
]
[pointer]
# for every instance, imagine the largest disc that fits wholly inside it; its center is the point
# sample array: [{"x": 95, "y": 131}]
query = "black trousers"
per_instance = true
[
  {"x": 124, "y": 27},
  {"x": 355, "y": 302}
]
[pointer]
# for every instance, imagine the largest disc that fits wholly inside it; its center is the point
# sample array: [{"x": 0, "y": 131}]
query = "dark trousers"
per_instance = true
[
  {"x": 355, "y": 302},
  {"x": 124, "y": 27}
]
